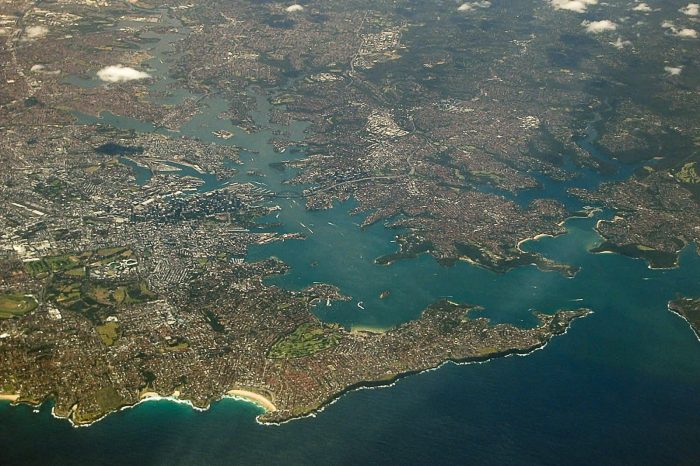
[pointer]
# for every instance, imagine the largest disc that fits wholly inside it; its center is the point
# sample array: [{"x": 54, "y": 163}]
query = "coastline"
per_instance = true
[
  {"x": 145, "y": 397},
  {"x": 608, "y": 248},
  {"x": 355, "y": 329},
  {"x": 256, "y": 398},
  {"x": 590, "y": 213},
  {"x": 152, "y": 396},
  {"x": 395, "y": 378},
  {"x": 537, "y": 237},
  {"x": 269, "y": 407},
  {"x": 12, "y": 397},
  {"x": 692, "y": 329}
]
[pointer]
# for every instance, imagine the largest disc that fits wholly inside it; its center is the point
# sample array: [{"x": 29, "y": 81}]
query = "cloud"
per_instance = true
[
  {"x": 643, "y": 7},
  {"x": 294, "y": 8},
  {"x": 38, "y": 68},
  {"x": 464, "y": 7},
  {"x": 621, "y": 44},
  {"x": 596, "y": 27},
  {"x": 685, "y": 33},
  {"x": 673, "y": 70},
  {"x": 35, "y": 32},
  {"x": 120, "y": 73},
  {"x": 579, "y": 6},
  {"x": 693, "y": 9}
]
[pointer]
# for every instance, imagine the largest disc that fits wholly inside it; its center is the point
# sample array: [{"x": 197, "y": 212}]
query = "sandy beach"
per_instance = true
[
  {"x": 150, "y": 394},
  {"x": 367, "y": 329},
  {"x": 533, "y": 238},
  {"x": 254, "y": 397},
  {"x": 9, "y": 396}
]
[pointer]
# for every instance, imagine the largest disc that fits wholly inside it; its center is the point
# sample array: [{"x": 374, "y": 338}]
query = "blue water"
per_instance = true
[{"x": 622, "y": 387}]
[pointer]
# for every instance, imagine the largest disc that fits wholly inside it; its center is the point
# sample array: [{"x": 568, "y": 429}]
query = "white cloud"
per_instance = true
[
  {"x": 621, "y": 44},
  {"x": 35, "y": 32},
  {"x": 673, "y": 70},
  {"x": 464, "y": 7},
  {"x": 596, "y": 27},
  {"x": 686, "y": 33},
  {"x": 39, "y": 68},
  {"x": 294, "y": 8},
  {"x": 693, "y": 9},
  {"x": 120, "y": 73},
  {"x": 643, "y": 7},
  {"x": 579, "y": 6}
]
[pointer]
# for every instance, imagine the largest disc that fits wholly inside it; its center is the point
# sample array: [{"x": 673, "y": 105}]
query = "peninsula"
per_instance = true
[
  {"x": 689, "y": 310},
  {"x": 293, "y": 367}
]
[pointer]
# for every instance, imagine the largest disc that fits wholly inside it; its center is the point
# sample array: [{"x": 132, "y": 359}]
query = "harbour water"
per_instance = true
[{"x": 622, "y": 386}]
